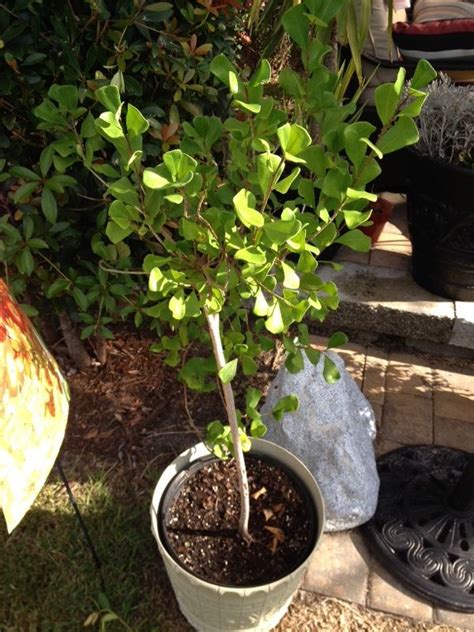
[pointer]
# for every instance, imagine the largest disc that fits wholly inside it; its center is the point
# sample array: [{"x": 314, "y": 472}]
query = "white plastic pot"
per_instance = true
[{"x": 213, "y": 608}]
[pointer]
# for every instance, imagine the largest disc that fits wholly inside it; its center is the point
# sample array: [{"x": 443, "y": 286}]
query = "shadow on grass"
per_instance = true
[{"x": 48, "y": 578}]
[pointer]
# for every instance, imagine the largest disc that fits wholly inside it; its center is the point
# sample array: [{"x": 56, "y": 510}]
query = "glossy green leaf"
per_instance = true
[
  {"x": 337, "y": 339},
  {"x": 49, "y": 206},
  {"x": 109, "y": 96},
  {"x": 403, "y": 133},
  {"x": 356, "y": 240},
  {"x": 228, "y": 371},
  {"x": 424, "y": 74},
  {"x": 288, "y": 404},
  {"x": 137, "y": 124},
  {"x": 294, "y": 139},
  {"x": 244, "y": 202},
  {"x": 330, "y": 371}
]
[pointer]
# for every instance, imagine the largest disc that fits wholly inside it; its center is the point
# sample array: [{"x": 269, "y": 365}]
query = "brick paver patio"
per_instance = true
[{"x": 417, "y": 398}]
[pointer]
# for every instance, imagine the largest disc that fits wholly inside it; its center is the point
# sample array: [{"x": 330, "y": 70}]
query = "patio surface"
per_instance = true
[
  {"x": 379, "y": 295},
  {"x": 417, "y": 399}
]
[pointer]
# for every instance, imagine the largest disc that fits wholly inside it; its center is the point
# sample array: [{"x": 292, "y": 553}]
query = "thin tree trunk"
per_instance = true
[
  {"x": 214, "y": 330},
  {"x": 74, "y": 345}
]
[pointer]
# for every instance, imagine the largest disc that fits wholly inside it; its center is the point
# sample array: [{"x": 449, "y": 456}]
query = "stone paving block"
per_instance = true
[
  {"x": 445, "y": 378},
  {"x": 346, "y": 254},
  {"x": 407, "y": 419},
  {"x": 339, "y": 567},
  {"x": 409, "y": 373},
  {"x": 374, "y": 378},
  {"x": 463, "y": 331},
  {"x": 454, "y": 433},
  {"x": 454, "y": 405},
  {"x": 459, "y": 619},
  {"x": 384, "y": 300},
  {"x": 386, "y": 594},
  {"x": 382, "y": 446},
  {"x": 390, "y": 259}
]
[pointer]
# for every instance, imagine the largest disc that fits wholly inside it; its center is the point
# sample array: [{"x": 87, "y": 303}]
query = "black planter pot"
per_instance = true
[{"x": 440, "y": 206}]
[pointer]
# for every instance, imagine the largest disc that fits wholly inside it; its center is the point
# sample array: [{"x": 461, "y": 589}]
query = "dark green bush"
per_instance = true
[{"x": 52, "y": 218}]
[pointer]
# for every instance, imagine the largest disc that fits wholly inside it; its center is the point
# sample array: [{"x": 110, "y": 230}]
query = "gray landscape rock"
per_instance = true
[{"x": 332, "y": 433}]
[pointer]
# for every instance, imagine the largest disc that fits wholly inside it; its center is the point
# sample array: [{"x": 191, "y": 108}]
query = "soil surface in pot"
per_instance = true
[{"x": 202, "y": 521}]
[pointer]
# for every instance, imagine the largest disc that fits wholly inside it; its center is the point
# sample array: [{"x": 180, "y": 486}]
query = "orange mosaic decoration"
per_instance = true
[{"x": 34, "y": 405}]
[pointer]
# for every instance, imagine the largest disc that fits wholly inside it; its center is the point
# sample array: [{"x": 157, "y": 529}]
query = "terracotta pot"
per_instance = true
[{"x": 381, "y": 213}]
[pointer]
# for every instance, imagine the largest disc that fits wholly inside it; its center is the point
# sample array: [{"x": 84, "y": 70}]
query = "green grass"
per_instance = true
[{"x": 48, "y": 579}]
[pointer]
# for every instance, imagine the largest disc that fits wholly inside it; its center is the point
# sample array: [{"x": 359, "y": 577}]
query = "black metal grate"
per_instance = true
[{"x": 423, "y": 529}]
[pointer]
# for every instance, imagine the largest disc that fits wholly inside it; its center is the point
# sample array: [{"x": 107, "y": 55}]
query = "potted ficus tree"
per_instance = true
[{"x": 234, "y": 222}]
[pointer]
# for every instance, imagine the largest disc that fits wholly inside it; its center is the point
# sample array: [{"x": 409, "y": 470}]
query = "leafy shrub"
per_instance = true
[{"x": 52, "y": 221}]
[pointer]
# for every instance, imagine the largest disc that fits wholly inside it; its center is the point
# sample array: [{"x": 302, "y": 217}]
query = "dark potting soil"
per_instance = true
[{"x": 202, "y": 522}]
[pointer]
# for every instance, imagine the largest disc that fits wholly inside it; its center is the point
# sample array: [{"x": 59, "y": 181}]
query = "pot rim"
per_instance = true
[
  {"x": 319, "y": 525},
  {"x": 465, "y": 171}
]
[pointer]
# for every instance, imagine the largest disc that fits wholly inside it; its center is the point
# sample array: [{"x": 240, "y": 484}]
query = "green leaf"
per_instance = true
[
  {"x": 291, "y": 83},
  {"x": 386, "y": 102},
  {"x": 249, "y": 366},
  {"x": 269, "y": 169},
  {"x": 262, "y": 74},
  {"x": 233, "y": 82},
  {"x": 243, "y": 205},
  {"x": 49, "y": 206},
  {"x": 356, "y": 240},
  {"x": 280, "y": 231},
  {"x": 356, "y": 194},
  {"x": 330, "y": 371},
  {"x": 115, "y": 233},
  {"x": 274, "y": 322},
  {"x": 258, "y": 428},
  {"x": 228, "y": 371},
  {"x": 80, "y": 298},
  {"x": 403, "y": 133},
  {"x": 109, "y": 96},
  {"x": 353, "y": 141},
  {"x": 26, "y": 262},
  {"x": 154, "y": 180},
  {"x": 37, "y": 244},
  {"x": 261, "y": 306},
  {"x": 220, "y": 66},
  {"x": 290, "y": 279},
  {"x": 424, "y": 74},
  {"x": 23, "y": 172},
  {"x": 355, "y": 218},
  {"x": 294, "y": 139},
  {"x": 294, "y": 362},
  {"x": 296, "y": 24},
  {"x": 137, "y": 124},
  {"x": 158, "y": 6},
  {"x": 337, "y": 339},
  {"x": 24, "y": 192},
  {"x": 177, "y": 305},
  {"x": 288, "y": 404},
  {"x": 57, "y": 287},
  {"x": 254, "y": 108},
  {"x": 66, "y": 96},
  {"x": 252, "y": 254},
  {"x": 313, "y": 355},
  {"x": 46, "y": 160},
  {"x": 285, "y": 184}
]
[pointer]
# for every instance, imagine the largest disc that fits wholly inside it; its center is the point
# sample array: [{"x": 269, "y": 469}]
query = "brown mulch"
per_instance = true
[{"x": 134, "y": 408}]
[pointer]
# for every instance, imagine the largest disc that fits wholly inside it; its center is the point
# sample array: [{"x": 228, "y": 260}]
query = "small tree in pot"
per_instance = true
[{"x": 234, "y": 222}]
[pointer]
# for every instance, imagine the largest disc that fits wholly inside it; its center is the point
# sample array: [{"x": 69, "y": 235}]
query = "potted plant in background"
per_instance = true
[
  {"x": 440, "y": 202},
  {"x": 233, "y": 223}
]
